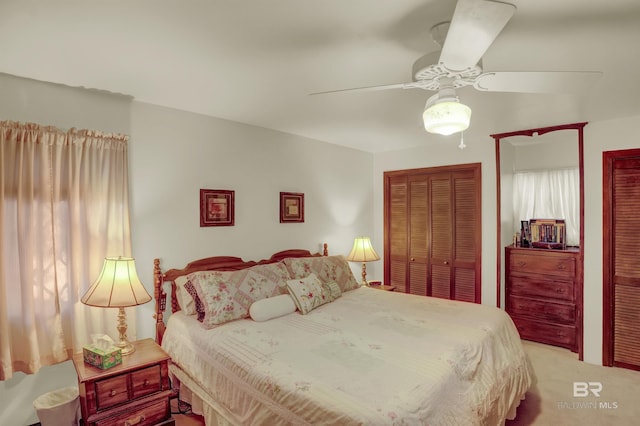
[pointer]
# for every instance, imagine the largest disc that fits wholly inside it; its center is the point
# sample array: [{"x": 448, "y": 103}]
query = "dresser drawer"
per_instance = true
[
  {"x": 556, "y": 264},
  {"x": 144, "y": 415},
  {"x": 145, "y": 381},
  {"x": 542, "y": 310},
  {"x": 552, "y": 334},
  {"x": 541, "y": 287},
  {"x": 110, "y": 392}
]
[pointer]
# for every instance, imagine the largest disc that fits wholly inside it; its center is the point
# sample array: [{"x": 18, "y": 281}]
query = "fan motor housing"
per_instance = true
[{"x": 428, "y": 70}]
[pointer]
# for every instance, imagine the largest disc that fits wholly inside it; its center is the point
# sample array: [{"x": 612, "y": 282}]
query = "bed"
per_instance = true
[{"x": 363, "y": 357}]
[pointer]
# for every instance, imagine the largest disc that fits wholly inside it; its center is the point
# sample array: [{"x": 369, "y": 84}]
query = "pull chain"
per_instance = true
[{"x": 462, "y": 145}]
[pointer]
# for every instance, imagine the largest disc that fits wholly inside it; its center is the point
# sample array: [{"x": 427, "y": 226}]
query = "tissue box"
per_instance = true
[{"x": 102, "y": 358}]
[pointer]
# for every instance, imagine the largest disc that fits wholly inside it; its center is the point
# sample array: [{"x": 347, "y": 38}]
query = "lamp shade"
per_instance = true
[
  {"x": 117, "y": 286},
  {"x": 445, "y": 115},
  {"x": 362, "y": 251}
]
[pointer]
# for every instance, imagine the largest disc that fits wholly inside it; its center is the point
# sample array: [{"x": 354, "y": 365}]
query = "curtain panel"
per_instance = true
[
  {"x": 63, "y": 209},
  {"x": 548, "y": 194}
]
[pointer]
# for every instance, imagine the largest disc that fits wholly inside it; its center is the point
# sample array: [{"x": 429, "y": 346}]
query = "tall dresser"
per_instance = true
[{"x": 542, "y": 294}]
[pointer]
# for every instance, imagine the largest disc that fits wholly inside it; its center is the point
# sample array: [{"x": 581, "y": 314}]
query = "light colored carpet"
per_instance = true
[{"x": 551, "y": 401}]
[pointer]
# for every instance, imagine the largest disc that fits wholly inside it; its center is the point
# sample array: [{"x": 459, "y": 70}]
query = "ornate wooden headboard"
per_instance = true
[{"x": 216, "y": 263}]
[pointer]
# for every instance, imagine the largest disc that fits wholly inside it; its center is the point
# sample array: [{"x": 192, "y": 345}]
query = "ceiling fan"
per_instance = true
[{"x": 464, "y": 40}]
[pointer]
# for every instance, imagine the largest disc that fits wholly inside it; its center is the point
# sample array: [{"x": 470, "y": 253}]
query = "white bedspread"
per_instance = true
[{"x": 371, "y": 357}]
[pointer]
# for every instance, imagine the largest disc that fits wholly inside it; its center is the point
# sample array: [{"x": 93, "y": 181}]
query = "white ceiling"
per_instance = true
[{"x": 256, "y": 61}]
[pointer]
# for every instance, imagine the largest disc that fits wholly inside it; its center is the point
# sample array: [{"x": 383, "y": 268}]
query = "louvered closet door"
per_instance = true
[
  {"x": 396, "y": 253},
  {"x": 453, "y": 228},
  {"x": 626, "y": 268},
  {"x": 418, "y": 235},
  {"x": 441, "y": 211},
  {"x": 465, "y": 240},
  {"x": 432, "y": 231}
]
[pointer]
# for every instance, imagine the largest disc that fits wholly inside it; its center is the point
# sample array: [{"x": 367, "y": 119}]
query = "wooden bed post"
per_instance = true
[{"x": 161, "y": 300}]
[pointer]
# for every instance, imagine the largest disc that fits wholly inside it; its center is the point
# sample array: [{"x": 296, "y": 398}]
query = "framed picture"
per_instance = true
[
  {"x": 291, "y": 207},
  {"x": 216, "y": 207}
]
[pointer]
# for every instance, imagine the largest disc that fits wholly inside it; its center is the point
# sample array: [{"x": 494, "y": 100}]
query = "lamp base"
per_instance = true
[
  {"x": 126, "y": 346},
  {"x": 364, "y": 275}
]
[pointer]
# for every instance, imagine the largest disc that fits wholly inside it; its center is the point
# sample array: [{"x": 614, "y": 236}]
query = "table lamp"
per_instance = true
[
  {"x": 118, "y": 286},
  {"x": 363, "y": 251}
]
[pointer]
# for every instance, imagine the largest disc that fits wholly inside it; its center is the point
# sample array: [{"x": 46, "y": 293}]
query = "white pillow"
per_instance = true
[
  {"x": 272, "y": 307},
  {"x": 187, "y": 304}
]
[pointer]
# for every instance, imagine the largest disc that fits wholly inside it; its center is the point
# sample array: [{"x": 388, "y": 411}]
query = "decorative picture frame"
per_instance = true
[
  {"x": 217, "y": 207},
  {"x": 291, "y": 207}
]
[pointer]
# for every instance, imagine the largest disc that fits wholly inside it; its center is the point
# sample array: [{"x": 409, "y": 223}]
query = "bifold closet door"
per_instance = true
[
  {"x": 622, "y": 245},
  {"x": 432, "y": 231}
]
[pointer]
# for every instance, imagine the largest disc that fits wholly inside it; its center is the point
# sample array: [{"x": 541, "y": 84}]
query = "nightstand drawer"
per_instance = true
[
  {"x": 145, "y": 415},
  {"x": 110, "y": 392},
  {"x": 146, "y": 381}
]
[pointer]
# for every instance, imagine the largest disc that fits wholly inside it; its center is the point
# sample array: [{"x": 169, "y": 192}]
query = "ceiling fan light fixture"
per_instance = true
[{"x": 445, "y": 115}]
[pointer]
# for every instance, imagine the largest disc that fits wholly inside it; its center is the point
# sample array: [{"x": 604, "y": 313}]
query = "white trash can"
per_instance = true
[{"x": 59, "y": 408}]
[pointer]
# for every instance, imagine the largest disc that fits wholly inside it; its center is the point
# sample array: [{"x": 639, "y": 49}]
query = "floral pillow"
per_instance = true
[
  {"x": 334, "y": 290},
  {"x": 308, "y": 293},
  {"x": 326, "y": 268},
  {"x": 228, "y": 295}
]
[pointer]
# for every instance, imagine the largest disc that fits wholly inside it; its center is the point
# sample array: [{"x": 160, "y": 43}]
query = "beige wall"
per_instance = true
[{"x": 173, "y": 154}]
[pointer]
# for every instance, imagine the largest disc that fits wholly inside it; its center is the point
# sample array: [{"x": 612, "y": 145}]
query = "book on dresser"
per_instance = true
[
  {"x": 542, "y": 294},
  {"x": 548, "y": 233}
]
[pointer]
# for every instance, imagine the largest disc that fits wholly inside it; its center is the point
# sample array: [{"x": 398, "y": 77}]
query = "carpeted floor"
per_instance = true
[{"x": 551, "y": 401}]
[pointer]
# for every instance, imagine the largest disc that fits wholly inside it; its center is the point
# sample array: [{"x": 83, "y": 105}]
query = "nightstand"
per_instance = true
[
  {"x": 136, "y": 392},
  {"x": 384, "y": 287}
]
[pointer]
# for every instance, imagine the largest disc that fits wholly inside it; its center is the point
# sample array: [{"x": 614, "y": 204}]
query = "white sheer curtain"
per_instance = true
[
  {"x": 63, "y": 208},
  {"x": 548, "y": 194}
]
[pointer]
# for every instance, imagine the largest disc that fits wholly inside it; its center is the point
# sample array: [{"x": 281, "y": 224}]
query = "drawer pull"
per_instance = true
[
  {"x": 113, "y": 392},
  {"x": 562, "y": 267},
  {"x": 522, "y": 263},
  {"x": 134, "y": 421},
  {"x": 559, "y": 290},
  {"x": 146, "y": 383}
]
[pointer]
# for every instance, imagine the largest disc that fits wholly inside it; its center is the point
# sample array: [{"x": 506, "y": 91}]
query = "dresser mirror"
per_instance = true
[{"x": 527, "y": 163}]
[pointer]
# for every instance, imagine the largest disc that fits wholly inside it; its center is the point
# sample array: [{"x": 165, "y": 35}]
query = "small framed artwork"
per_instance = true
[
  {"x": 216, "y": 207},
  {"x": 291, "y": 207}
]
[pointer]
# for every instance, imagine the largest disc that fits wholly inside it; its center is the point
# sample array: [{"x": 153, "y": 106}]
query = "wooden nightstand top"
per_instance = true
[
  {"x": 384, "y": 287},
  {"x": 147, "y": 352}
]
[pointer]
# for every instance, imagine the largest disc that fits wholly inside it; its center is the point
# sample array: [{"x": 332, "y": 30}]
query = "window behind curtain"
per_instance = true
[
  {"x": 63, "y": 209},
  {"x": 548, "y": 194}
]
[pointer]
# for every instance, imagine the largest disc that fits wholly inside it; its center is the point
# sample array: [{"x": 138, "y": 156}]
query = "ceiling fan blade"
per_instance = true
[
  {"x": 536, "y": 81},
  {"x": 412, "y": 85},
  {"x": 474, "y": 26}
]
